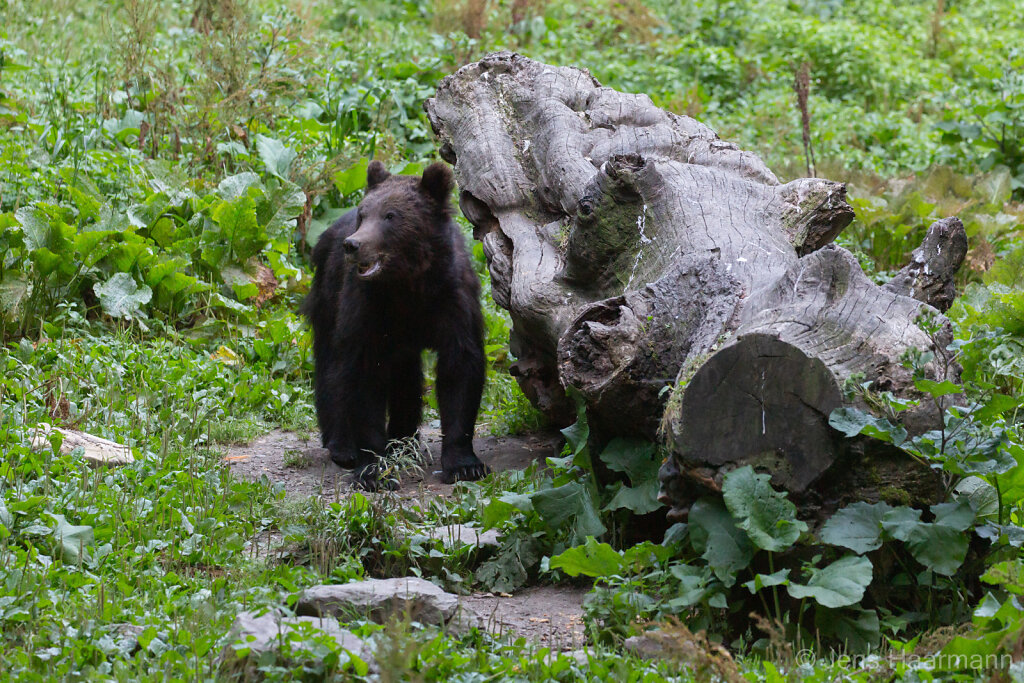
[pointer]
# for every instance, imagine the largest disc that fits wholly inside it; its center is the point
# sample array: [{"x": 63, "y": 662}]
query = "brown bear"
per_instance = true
[{"x": 392, "y": 277}]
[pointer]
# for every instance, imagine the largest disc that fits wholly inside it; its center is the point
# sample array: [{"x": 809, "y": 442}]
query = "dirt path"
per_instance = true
[
  {"x": 305, "y": 469},
  {"x": 551, "y": 616}
]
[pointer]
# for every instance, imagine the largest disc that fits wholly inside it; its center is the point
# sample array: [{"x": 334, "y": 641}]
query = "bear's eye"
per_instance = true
[{"x": 389, "y": 215}]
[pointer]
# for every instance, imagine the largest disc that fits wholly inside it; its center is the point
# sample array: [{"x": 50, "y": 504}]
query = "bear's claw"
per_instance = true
[
  {"x": 368, "y": 477},
  {"x": 471, "y": 472}
]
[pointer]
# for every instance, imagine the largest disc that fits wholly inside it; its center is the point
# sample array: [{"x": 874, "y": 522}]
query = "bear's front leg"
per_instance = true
[
  {"x": 460, "y": 384},
  {"x": 358, "y": 414}
]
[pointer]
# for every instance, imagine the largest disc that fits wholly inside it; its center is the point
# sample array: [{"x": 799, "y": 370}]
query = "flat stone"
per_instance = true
[
  {"x": 462, "y": 534},
  {"x": 382, "y": 599},
  {"x": 645, "y": 647},
  {"x": 125, "y": 636},
  {"x": 263, "y": 633},
  {"x": 580, "y": 657}
]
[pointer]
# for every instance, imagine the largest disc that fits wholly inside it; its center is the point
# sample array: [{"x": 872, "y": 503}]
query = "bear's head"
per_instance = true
[{"x": 403, "y": 223}]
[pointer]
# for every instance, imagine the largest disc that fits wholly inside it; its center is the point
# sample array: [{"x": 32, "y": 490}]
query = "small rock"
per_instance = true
[
  {"x": 678, "y": 644},
  {"x": 262, "y": 633},
  {"x": 126, "y": 636},
  {"x": 380, "y": 599},
  {"x": 580, "y": 657},
  {"x": 455, "y": 534},
  {"x": 96, "y": 450},
  {"x": 645, "y": 647}
]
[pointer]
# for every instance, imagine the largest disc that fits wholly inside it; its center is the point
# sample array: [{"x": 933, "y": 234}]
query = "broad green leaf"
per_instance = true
[
  {"x": 590, "y": 559},
  {"x": 937, "y": 389},
  {"x": 576, "y": 435},
  {"x": 499, "y": 510},
  {"x": 275, "y": 155},
  {"x": 857, "y": 527},
  {"x": 412, "y": 168},
  {"x": 958, "y": 515},
  {"x": 123, "y": 256},
  {"x": 73, "y": 539},
  {"x": 14, "y": 290},
  {"x": 714, "y": 534},
  {"x": 677, "y": 533},
  {"x": 285, "y": 201},
  {"x": 695, "y": 584},
  {"x": 938, "y": 547},
  {"x": 351, "y": 179},
  {"x": 900, "y": 522},
  {"x": 164, "y": 269},
  {"x": 165, "y": 231},
  {"x": 981, "y": 496},
  {"x": 636, "y": 457},
  {"x": 149, "y": 211},
  {"x": 638, "y": 499},
  {"x": 46, "y": 262},
  {"x": 646, "y": 554},
  {"x": 765, "y": 514},
  {"x": 240, "y": 282},
  {"x": 1011, "y": 482},
  {"x": 26, "y": 504},
  {"x": 178, "y": 282},
  {"x": 35, "y": 225},
  {"x": 219, "y": 301},
  {"x": 857, "y": 629},
  {"x": 1008, "y": 574},
  {"x": 987, "y": 608},
  {"x": 236, "y": 186},
  {"x": 569, "y": 505},
  {"x": 93, "y": 245},
  {"x": 238, "y": 224},
  {"x": 840, "y": 584},
  {"x": 996, "y": 404},
  {"x": 282, "y": 268},
  {"x": 779, "y": 578},
  {"x": 849, "y": 421},
  {"x": 121, "y": 296},
  {"x": 510, "y": 568}
]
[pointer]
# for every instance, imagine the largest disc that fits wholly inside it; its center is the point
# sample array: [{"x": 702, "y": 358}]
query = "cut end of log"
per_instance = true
[{"x": 761, "y": 402}]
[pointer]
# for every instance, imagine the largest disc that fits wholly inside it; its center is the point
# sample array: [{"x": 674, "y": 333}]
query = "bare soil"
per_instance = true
[{"x": 551, "y": 616}]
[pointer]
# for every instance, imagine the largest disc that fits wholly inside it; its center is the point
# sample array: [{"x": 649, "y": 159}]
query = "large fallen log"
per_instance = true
[{"x": 671, "y": 278}]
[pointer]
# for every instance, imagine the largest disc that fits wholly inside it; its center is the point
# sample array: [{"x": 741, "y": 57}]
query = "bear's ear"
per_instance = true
[
  {"x": 376, "y": 174},
  {"x": 437, "y": 181}
]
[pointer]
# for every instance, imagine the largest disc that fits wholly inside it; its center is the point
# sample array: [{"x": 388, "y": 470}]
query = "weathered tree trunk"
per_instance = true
[{"x": 637, "y": 252}]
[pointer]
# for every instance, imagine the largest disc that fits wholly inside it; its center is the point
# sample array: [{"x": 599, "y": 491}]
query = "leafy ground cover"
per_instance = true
[{"x": 164, "y": 169}]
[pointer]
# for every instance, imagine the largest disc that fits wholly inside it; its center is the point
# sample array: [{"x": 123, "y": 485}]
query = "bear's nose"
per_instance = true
[{"x": 351, "y": 246}]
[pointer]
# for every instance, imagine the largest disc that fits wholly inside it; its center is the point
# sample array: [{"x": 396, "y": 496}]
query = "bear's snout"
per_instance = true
[{"x": 351, "y": 245}]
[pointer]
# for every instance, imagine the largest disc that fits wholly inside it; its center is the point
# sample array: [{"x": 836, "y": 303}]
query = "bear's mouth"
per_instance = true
[{"x": 370, "y": 269}]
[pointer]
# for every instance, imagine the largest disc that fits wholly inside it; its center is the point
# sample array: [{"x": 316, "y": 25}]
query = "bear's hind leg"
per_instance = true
[{"x": 405, "y": 397}]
